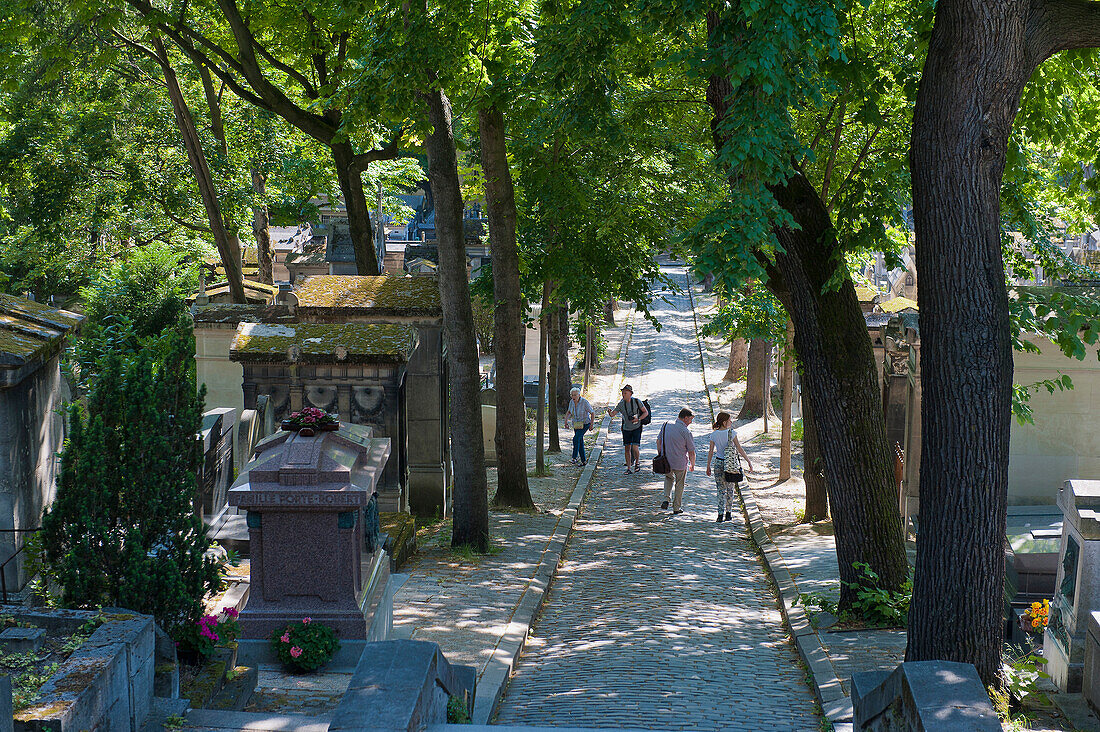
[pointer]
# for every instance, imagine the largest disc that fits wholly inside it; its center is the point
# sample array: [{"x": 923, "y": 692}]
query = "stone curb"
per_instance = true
[
  {"x": 836, "y": 707},
  {"x": 490, "y": 687}
]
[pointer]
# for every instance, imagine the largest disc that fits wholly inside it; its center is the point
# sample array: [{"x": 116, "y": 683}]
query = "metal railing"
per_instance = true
[{"x": 4, "y": 564}]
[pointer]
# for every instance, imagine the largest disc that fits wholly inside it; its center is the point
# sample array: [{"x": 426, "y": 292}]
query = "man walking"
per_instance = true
[
  {"x": 677, "y": 444},
  {"x": 633, "y": 411}
]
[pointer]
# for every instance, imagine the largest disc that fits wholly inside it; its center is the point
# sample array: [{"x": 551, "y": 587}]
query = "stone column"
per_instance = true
[
  {"x": 428, "y": 489},
  {"x": 1077, "y": 588}
]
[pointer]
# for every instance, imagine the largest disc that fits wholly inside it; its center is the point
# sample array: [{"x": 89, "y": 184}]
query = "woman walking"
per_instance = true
[
  {"x": 579, "y": 416},
  {"x": 720, "y": 441}
]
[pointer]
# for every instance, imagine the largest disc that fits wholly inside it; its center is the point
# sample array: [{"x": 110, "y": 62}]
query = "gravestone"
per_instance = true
[
  {"x": 489, "y": 432},
  {"x": 1077, "y": 587},
  {"x": 305, "y": 496}
]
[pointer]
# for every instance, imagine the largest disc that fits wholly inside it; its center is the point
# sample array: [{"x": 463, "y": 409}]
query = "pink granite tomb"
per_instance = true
[{"x": 305, "y": 495}]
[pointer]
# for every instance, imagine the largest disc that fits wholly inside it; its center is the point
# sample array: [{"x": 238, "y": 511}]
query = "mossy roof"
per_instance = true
[
  {"x": 897, "y": 304},
  {"x": 865, "y": 294},
  {"x": 382, "y": 295},
  {"x": 253, "y": 291},
  {"x": 237, "y": 313},
  {"x": 319, "y": 342},
  {"x": 29, "y": 329}
]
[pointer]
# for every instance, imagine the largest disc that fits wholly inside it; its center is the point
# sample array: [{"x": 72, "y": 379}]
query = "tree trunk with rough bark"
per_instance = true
[
  {"x": 739, "y": 360},
  {"x": 508, "y": 330},
  {"x": 787, "y": 385},
  {"x": 609, "y": 313},
  {"x": 589, "y": 351},
  {"x": 759, "y": 366},
  {"x": 553, "y": 337},
  {"x": 841, "y": 386},
  {"x": 813, "y": 472},
  {"x": 980, "y": 56},
  {"x": 261, "y": 226},
  {"x": 228, "y": 249},
  {"x": 840, "y": 376},
  {"x": 355, "y": 201},
  {"x": 565, "y": 366},
  {"x": 471, "y": 501}
]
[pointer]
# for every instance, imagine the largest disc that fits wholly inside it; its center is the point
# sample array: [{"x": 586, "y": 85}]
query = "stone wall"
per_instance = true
[
  {"x": 106, "y": 684},
  {"x": 32, "y": 430},
  {"x": 1064, "y": 441}
]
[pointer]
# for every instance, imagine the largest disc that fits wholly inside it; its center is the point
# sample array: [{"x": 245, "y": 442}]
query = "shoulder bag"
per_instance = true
[
  {"x": 660, "y": 463},
  {"x": 732, "y": 472}
]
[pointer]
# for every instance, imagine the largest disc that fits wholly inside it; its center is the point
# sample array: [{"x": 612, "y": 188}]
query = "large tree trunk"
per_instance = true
[
  {"x": 813, "y": 472},
  {"x": 739, "y": 360},
  {"x": 508, "y": 330},
  {"x": 840, "y": 379},
  {"x": 228, "y": 249},
  {"x": 553, "y": 337},
  {"x": 261, "y": 225},
  {"x": 787, "y": 384},
  {"x": 840, "y": 376},
  {"x": 355, "y": 201},
  {"x": 609, "y": 313},
  {"x": 759, "y": 373},
  {"x": 589, "y": 351},
  {"x": 471, "y": 501},
  {"x": 565, "y": 366},
  {"x": 969, "y": 92}
]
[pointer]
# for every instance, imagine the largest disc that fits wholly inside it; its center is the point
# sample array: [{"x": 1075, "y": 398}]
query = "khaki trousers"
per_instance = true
[{"x": 676, "y": 477}]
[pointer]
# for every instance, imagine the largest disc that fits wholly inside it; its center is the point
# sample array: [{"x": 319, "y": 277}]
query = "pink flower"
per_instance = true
[
  {"x": 295, "y": 651},
  {"x": 307, "y": 621},
  {"x": 286, "y": 637},
  {"x": 230, "y": 612}
]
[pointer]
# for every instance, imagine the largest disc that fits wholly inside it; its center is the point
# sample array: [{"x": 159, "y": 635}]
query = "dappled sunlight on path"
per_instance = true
[{"x": 654, "y": 620}]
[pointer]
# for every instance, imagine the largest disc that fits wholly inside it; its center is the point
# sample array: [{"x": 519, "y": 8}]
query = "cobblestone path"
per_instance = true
[{"x": 654, "y": 620}]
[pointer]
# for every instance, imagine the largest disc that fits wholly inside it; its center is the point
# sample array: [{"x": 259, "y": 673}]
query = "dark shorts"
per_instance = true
[{"x": 632, "y": 437}]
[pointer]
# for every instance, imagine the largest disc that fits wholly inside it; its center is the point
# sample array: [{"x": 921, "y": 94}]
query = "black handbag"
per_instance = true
[
  {"x": 660, "y": 463},
  {"x": 734, "y": 476}
]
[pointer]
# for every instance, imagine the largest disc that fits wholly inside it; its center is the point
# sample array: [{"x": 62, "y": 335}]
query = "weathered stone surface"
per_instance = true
[
  {"x": 22, "y": 640},
  {"x": 106, "y": 684},
  {"x": 313, "y": 487},
  {"x": 919, "y": 696},
  {"x": 400, "y": 685}
]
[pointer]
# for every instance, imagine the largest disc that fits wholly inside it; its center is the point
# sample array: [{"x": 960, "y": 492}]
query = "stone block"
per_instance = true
[
  {"x": 399, "y": 685},
  {"x": 1090, "y": 687},
  {"x": 6, "y": 722},
  {"x": 22, "y": 640},
  {"x": 939, "y": 696}
]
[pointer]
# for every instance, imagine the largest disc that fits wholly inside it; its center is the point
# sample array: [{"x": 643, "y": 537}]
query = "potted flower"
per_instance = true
[
  {"x": 312, "y": 419},
  {"x": 305, "y": 646},
  {"x": 1034, "y": 619},
  {"x": 196, "y": 641}
]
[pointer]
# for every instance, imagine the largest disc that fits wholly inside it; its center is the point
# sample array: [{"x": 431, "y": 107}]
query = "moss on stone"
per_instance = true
[
  {"x": 385, "y": 293},
  {"x": 318, "y": 342}
]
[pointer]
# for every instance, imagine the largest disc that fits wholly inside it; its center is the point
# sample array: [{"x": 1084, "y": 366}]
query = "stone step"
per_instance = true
[
  {"x": 164, "y": 708},
  {"x": 213, "y": 720},
  {"x": 237, "y": 691}
]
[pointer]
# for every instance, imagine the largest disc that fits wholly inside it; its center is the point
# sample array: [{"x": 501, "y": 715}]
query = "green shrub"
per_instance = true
[
  {"x": 123, "y": 531},
  {"x": 305, "y": 646}
]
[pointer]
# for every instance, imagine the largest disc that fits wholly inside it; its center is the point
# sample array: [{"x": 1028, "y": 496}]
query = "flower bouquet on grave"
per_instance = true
[
  {"x": 195, "y": 642},
  {"x": 1035, "y": 618},
  {"x": 305, "y": 646},
  {"x": 312, "y": 419}
]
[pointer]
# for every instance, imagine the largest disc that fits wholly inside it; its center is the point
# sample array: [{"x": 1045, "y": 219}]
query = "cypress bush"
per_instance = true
[{"x": 122, "y": 530}]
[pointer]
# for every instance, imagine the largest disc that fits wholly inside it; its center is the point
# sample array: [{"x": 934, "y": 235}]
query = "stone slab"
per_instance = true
[
  {"x": 22, "y": 640},
  {"x": 940, "y": 696}
]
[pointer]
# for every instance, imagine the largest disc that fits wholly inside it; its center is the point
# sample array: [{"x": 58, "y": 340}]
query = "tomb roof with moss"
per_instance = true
[
  {"x": 323, "y": 342},
  {"x": 384, "y": 295},
  {"x": 898, "y": 304},
  {"x": 29, "y": 333}
]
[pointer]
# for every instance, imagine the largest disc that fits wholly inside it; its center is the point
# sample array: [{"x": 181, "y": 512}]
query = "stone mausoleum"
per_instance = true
[
  {"x": 367, "y": 348},
  {"x": 32, "y": 421}
]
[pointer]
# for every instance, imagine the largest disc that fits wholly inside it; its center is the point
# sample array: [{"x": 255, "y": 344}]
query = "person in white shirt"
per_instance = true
[
  {"x": 719, "y": 440},
  {"x": 579, "y": 416}
]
